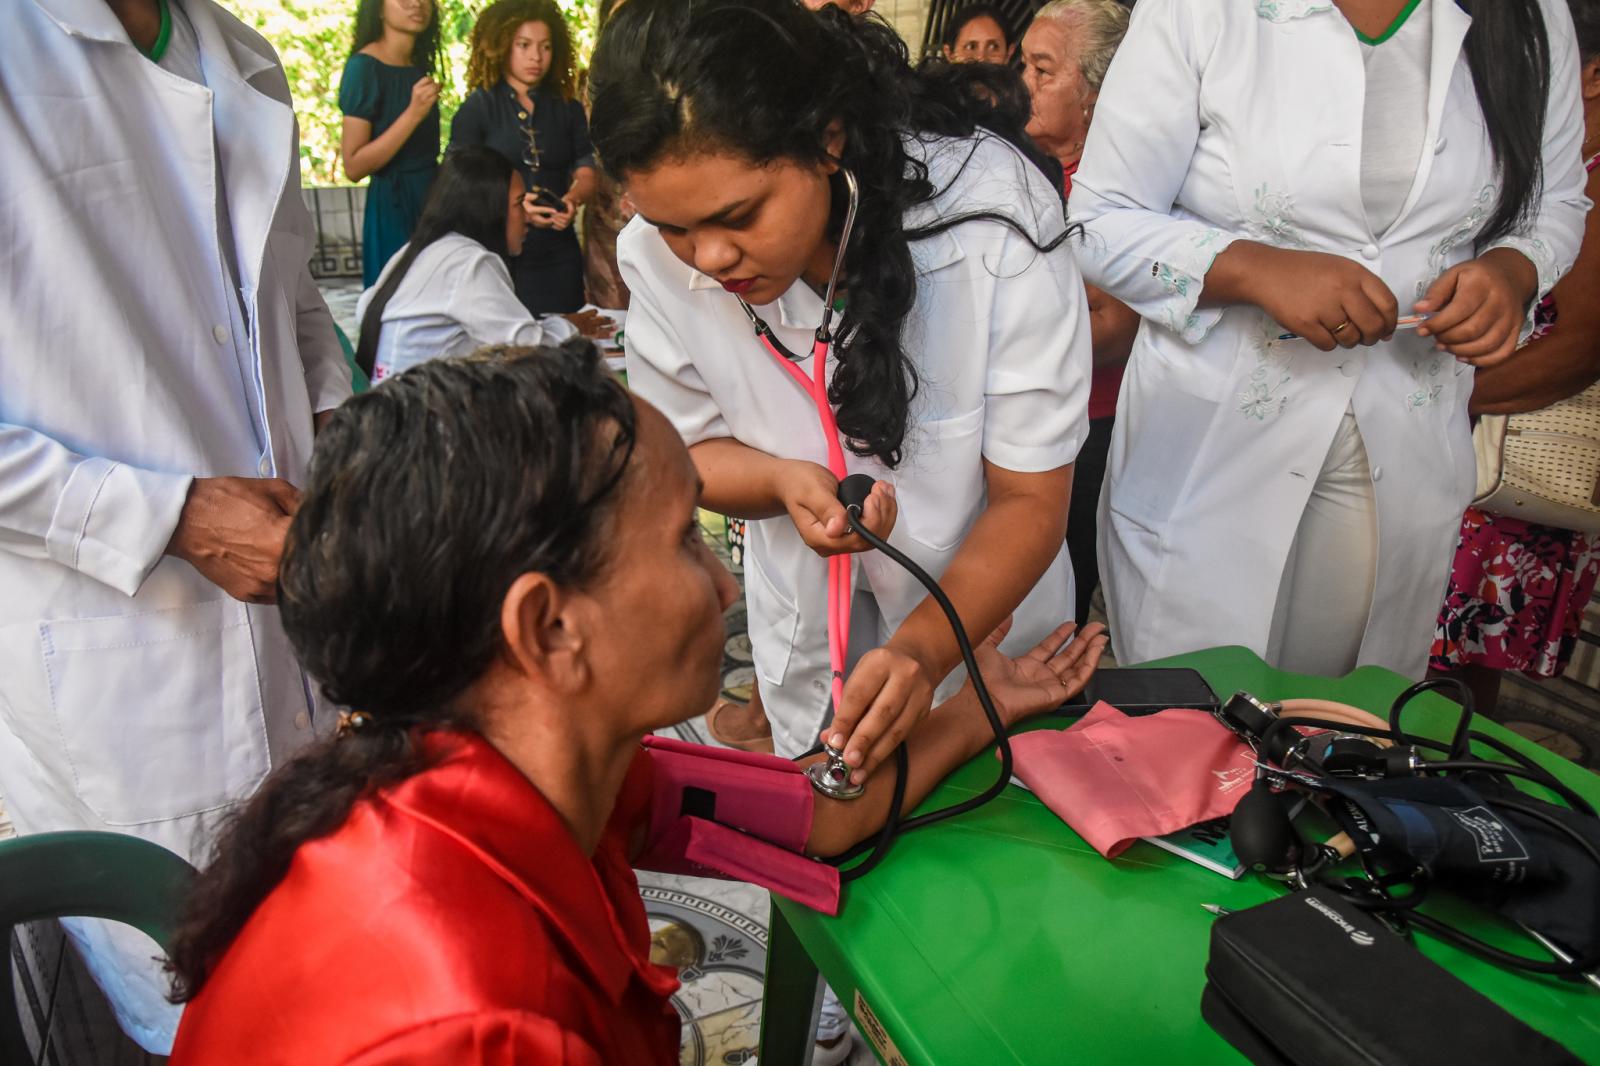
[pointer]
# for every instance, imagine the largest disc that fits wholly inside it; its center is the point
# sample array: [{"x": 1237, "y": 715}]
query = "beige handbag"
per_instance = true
[{"x": 1543, "y": 466}]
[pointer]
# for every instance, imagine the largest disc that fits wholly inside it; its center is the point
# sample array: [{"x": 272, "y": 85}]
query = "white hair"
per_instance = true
[{"x": 1104, "y": 21}]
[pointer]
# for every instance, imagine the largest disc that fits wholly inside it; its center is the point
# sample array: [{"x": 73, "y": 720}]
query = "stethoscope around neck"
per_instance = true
[
  {"x": 831, "y": 777},
  {"x": 839, "y": 590}
]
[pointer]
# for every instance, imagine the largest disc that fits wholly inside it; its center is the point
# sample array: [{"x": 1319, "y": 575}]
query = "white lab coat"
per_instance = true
[
  {"x": 1242, "y": 119},
  {"x": 134, "y": 695},
  {"x": 457, "y": 297},
  {"x": 1000, "y": 341}
]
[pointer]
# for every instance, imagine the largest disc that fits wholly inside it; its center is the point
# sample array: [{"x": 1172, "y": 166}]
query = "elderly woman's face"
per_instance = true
[
  {"x": 659, "y": 603},
  {"x": 1062, "y": 102}
]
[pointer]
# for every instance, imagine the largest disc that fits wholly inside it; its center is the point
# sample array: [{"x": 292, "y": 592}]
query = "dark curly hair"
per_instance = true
[
  {"x": 497, "y": 27},
  {"x": 427, "y": 497},
  {"x": 766, "y": 79},
  {"x": 369, "y": 28}
]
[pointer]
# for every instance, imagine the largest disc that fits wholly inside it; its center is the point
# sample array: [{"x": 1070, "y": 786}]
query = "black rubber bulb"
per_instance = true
[
  {"x": 1263, "y": 837},
  {"x": 854, "y": 490}
]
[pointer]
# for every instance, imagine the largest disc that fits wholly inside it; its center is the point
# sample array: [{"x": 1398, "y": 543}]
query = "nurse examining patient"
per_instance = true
[
  {"x": 462, "y": 853},
  {"x": 959, "y": 368}
]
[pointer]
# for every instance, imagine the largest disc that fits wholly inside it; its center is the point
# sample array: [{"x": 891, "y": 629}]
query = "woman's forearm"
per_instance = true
[
  {"x": 1009, "y": 548},
  {"x": 740, "y": 481},
  {"x": 955, "y": 732},
  {"x": 1229, "y": 281},
  {"x": 581, "y": 191},
  {"x": 1546, "y": 371},
  {"x": 363, "y": 157},
  {"x": 1564, "y": 361},
  {"x": 1112, "y": 327}
]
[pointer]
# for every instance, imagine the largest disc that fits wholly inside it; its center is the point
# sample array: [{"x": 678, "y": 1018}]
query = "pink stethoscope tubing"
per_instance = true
[{"x": 816, "y": 385}]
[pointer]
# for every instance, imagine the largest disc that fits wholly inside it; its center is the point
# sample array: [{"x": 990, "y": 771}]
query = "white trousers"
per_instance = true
[{"x": 1325, "y": 595}]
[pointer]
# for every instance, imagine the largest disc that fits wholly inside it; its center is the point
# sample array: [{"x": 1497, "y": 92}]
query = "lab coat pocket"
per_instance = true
[
  {"x": 940, "y": 486},
  {"x": 774, "y": 619},
  {"x": 159, "y": 713}
]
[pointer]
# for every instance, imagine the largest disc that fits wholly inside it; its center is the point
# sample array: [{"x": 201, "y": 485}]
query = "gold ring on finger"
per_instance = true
[{"x": 1340, "y": 327}]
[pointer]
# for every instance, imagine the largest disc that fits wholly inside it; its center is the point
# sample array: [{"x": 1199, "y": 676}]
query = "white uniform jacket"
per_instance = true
[
  {"x": 457, "y": 297},
  {"x": 134, "y": 694},
  {"x": 1230, "y": 119},
  {"x": 1000, "y": 341}
]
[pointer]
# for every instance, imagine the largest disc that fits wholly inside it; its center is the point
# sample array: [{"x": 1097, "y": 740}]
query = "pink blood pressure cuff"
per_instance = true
[{"x": 733, "y": 814}]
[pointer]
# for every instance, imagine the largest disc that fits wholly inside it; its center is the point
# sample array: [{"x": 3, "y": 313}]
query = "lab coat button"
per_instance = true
[
  {"x": 819, "y": 686},
  {"x": 1377, "y": 473},
  {"x": 302, "y": 720},
  {"x": 265, "y": 466},
  {"x": 1438, "y": 145},
  {"x": 1349, "y": 368},
  {"x": 220, "y": 333},
  {"x": 1369, "y": 251}
]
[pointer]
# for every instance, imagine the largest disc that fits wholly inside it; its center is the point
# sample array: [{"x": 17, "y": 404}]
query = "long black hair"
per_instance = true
[
  {"x": 369, "y": 28},
  {"x": 766, "y": 80},
  {"x": 1586, "y": 23},
  {"x": 426, "y": 498},
  {"x": 468, "y": 196},
  {"x": 1508, "y": 53}
]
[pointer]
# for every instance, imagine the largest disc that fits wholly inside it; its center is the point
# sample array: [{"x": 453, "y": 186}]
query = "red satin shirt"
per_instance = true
[{"x": 451, "y": 919}]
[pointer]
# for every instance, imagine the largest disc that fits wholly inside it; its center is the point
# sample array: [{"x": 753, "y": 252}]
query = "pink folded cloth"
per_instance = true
[{"x": 1116, "y": 778}]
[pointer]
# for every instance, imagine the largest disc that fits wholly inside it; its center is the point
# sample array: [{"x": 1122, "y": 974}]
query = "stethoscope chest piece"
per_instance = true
[{"x": 831, "y": 776}]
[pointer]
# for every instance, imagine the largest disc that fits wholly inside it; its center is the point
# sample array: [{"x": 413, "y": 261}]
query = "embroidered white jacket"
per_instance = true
[{"x": 1242, "y": 119}]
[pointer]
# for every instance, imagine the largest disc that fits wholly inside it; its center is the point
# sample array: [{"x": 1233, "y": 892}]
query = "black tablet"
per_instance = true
[{"x": 1139, "y": 690}]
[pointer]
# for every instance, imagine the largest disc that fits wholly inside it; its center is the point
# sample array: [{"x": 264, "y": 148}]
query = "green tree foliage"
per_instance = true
[{"x": 313, "y": 39}]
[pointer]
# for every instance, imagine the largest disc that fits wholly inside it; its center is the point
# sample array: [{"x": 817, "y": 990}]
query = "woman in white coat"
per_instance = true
[
  {"x": 448, "y": 290},
  {"x": 1279, "y": 187},
  {"x": 959, "y": 372}
]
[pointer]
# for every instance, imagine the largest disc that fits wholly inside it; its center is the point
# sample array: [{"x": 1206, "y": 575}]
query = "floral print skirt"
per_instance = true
[{"x": 1517, "y": 596}]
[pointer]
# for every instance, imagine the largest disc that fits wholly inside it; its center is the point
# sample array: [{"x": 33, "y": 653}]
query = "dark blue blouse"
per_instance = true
[{"x": 557, "y": 127}]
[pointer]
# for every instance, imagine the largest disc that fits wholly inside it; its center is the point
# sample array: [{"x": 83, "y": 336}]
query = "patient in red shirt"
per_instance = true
[{"x": 497, "y": 565}]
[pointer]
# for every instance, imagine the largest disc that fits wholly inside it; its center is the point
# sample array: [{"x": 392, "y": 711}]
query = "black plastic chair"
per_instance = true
[{"x": 83, "y": 875}]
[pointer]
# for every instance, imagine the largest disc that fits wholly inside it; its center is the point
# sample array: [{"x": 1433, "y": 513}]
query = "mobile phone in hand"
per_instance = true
[{"x": 545, "y": 198}]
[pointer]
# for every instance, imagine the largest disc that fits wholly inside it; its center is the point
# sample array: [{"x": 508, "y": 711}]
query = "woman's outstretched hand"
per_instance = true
[{"x": 1046, "y": 676}]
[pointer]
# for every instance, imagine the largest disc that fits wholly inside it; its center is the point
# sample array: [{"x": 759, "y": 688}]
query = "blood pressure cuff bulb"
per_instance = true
[
  {"x": 1496, "y": 856},
  {"x": 734, "y": 814}
]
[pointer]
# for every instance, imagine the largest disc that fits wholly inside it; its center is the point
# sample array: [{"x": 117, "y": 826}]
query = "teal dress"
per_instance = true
[{"x": 379, "y": 93}]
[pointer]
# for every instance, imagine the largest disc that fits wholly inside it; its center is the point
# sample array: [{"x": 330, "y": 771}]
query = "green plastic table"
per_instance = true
[{"x": 1002, "y": 937}]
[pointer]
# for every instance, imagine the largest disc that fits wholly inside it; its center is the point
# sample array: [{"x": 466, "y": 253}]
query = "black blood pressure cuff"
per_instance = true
[
  {"x": 1310, "y": 980},
  {"x": 1449, "y": 828},
  {"x": 1494, "y": 855}
]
